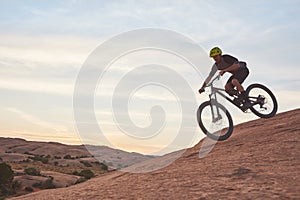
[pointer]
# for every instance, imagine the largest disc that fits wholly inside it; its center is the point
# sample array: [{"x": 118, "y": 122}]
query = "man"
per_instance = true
[{"x": 227, "y": 63}]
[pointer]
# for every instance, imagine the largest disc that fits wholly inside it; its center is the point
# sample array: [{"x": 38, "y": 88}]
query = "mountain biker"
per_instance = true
[{"x": 228, "y": 63}]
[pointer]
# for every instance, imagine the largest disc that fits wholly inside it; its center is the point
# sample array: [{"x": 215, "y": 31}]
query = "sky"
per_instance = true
[{"x": 45, "y": 44}]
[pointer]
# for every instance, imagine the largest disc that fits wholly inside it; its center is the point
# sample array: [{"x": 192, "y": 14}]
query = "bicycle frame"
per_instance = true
[
  {"x": 213, "y": 98},
  {"x": 220, "y": 91}
]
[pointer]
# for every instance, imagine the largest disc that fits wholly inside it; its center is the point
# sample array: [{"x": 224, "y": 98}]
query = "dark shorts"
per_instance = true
[{"x": 240, "y": 75}]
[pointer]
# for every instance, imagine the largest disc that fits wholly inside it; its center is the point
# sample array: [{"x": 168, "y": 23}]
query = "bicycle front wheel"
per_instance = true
[
  {"x": 264, "y": 103},
  {"x": 215, "y": 121}
]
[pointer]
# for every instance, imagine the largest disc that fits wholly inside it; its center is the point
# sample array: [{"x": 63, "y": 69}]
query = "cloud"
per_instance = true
[
  {"x": 47, "y": 64},
  {"x": 41, "y": 86},
  {"x": 37, "y": 121},
  {"x": 47, "y": 49}
]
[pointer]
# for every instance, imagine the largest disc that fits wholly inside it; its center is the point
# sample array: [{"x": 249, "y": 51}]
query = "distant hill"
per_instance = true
[
  {"x": 59, "y": 165},
  {"x": 261, "y": 160},
  {"x": 15, "y": 149}
]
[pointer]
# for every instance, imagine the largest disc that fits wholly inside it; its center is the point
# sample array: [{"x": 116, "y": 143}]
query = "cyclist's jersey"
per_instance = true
[{"x": 226, "y": 61}]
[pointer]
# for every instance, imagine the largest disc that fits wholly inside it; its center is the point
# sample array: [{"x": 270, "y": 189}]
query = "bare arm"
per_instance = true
[
  {"x": 211, "y": 74},
  {"x": 204, "y": 84}
]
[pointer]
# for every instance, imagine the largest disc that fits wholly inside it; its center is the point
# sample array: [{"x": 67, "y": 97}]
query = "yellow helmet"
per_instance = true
[{"x": 215, "y": 51}]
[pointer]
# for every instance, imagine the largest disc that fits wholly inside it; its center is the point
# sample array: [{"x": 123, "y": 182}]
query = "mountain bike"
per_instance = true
[{"x": 215, "y": 120}]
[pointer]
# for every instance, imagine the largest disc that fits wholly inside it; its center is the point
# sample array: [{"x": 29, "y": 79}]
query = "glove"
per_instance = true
[{"x": 201, "y": 90}]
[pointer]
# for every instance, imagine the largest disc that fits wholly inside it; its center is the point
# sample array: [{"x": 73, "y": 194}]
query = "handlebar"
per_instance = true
[{"x": 201, "y": 90}]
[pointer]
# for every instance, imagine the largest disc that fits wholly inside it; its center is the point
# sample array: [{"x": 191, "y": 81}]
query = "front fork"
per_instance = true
[{"x": 216, "y": 116}]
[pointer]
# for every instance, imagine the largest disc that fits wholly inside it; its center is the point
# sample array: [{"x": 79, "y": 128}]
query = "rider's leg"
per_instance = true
[
  {"x": 240, "y": 88},
  {"x": 238, "y": 78},
  {"x": 229, "y": 87},
  {"x": 237, "y": 84}
]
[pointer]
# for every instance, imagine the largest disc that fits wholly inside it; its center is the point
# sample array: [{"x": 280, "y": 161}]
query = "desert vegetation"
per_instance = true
[
  {"x": 28, "y": 167},
  {"x": 6, "y": 180},
  {"x": 31, "y": 173}
]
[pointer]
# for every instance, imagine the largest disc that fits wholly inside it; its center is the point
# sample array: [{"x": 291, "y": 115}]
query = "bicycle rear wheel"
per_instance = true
[
  {"x": 215, "y": 121},
  {"x": 264, "y": 103}
]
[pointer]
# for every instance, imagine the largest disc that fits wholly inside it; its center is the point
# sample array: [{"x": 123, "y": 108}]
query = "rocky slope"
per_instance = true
[{"x": 261, "y": 160}]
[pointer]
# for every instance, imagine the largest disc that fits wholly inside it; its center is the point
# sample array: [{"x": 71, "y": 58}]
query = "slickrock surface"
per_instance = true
[{"x": 260, "y": 160}]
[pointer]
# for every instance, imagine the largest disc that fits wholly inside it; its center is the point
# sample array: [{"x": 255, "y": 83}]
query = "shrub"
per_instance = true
[
  {"x": 37, "y": 184},
  {"x": 85, "y": 163},
  {"x": 32, "y": 171},
  {"x": 45, "y": 160},
  {"x": 26, "y": 152},
  {"x": 29, "y": 189},
  {"x": 103, "y": 166},
  {"x": 25, "y": 160},
  {"x": 76, "y": 173},
  {"x": 41, "y": 158},
  {"x": 6, "y": 179},
  {"x": 6, "y": 174},
  {"x": 86, "y": 173},
  {"x": 16, "y": 185},
  {"x": 68, "y": 157},
  {"x": 48, "y": 184},
  {"x": 80, "y": 180}
]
